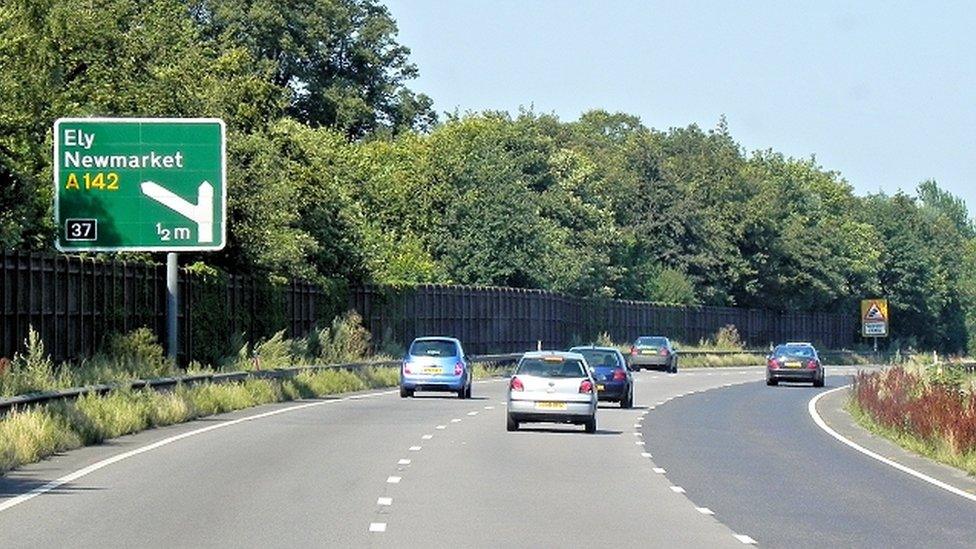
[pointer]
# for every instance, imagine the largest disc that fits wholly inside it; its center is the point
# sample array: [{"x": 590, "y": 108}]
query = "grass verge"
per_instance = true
[{"x": 938, "y": 450}]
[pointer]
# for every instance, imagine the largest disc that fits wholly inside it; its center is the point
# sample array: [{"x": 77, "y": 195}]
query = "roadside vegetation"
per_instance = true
[
  {"x": 361, "y": 183},
  {"x": 928, "y": 409}
]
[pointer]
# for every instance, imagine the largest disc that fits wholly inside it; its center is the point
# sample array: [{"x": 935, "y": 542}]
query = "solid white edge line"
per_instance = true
[
  {"x": 71, "y": 477},
  {"x": 812, "y": 408},
  {"x": 745, "y": 539}
]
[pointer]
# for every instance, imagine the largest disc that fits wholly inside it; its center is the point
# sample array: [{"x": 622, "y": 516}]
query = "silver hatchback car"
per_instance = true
[{"x": 552, "y": 386}]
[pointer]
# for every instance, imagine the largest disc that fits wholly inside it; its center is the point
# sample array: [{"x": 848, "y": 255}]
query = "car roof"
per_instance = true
[
  {"x": 438, "y": 338},
  {"x": 562, "y": 354},
  {"x": 593, "y": 348},
  {"x": 651, "y": 337}
]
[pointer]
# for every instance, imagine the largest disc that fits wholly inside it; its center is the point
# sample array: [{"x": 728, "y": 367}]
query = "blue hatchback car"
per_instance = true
[
  {"x": 435, "y": 364},
  {"x": 614, "y": 381}
]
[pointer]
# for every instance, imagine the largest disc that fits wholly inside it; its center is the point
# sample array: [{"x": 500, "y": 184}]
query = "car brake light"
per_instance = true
[
  {"x": 406, "y": 367},
  {"x": 773, "y": 363},
  {"x": 812, "y": 365},
  {"x": 458, "y": 368},
  {"x": 586, "y": 386},
  {"x": 664, "y": 352},
  {"x": 633, "y": 350},
  {"x": 516, "y": 384},
  {"x": 619, "y": 375}
]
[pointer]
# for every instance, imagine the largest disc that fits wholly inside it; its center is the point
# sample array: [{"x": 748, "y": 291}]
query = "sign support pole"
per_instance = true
[{"x": 172, "y": 304}]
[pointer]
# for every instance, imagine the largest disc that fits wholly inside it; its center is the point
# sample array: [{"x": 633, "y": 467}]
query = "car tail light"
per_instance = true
[
  {"x": 812, "y": 365},
  {"x": 458, "y": 368},
  {"x": 619, "y": 375},
  {"x": 516, "y": 384},
  {"x": 406, "y": 367},
  {"x": 633, "y": 350},
  {"x": 663, "y": 352},
  {"x": 773, "y": 363},
  {"x": 586, "y": 386}
]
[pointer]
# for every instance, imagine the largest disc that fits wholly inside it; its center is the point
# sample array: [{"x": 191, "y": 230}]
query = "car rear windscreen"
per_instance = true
[
  {"x": 599, "y": 359},
  {"x": 551, "y": 368},
  {"x": 433, "y": 347},
  {"x": 795, "y": 352},
  {"x": 651, "y": 342}
]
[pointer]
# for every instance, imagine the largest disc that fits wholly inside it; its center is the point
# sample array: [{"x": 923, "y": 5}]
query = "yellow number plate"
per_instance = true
[
  {"x": 550, "y": 405},
  {"x": 646, "y": 352},
  {"x": 432, "y": 371},
  {"x": 600, "y": 387},
  {"x": 794, "y": 364}
]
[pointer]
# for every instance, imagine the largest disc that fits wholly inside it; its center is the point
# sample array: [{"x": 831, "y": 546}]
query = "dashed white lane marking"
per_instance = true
[
  {"x": 403, "y": 462},
  {"x": 659, "y": 470},
  {"x": 652, "y": 407},
  {"x": 393, "y": 480},
  {"x": 456, "y": 420},
  {"x": 489, "y": 407},
  {"x": 61, "y": 481},
  {"x": 637, "y": 426},
  {"x": 385, "y": 502},
  {"x": 415, "y": 448},
  {"x": 745, "y": 539},
  {"x": 377, "y": 527},
  {"x": 638, "y": 435},
  {"x": 639, "y": 442},
  {"x": 472, "y": 413},
  {"x": 705, "y": 510},
  {"x": 646, "y": 455},
  {"x": 427, "y": 437},
  {"x": 441, "y": 427},
  {"x": 812, "y": 409},
  {"x": 677, "y": 490}
]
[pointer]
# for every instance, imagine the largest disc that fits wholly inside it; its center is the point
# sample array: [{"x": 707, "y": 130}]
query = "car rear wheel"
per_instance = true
[
  {"x": 511, "y": 424},
  {"x": 628, "y": 400},
  {"x": 818, "y": 382},
  {"x": 468, "y": 395},
  {"x": 590, "y": 425},
  {"x": 404, "y": 392},
  {"x": 772, "y": 382}
]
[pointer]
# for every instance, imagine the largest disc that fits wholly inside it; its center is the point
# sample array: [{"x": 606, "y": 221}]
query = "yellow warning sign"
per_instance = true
[{"x": 874, "y": 318}]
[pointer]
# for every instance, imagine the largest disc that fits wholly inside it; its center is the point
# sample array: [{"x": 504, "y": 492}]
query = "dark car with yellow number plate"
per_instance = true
[
  {"x": 655, "y": 352},
  {"x": 614, "y": 382},
  {"x": 794, "y": 362}
]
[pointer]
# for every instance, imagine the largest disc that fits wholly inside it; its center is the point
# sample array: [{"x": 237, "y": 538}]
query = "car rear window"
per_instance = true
[
  {"x": 551, "y": 368},
  {"x": 433, "y": 347},
  {"x": 795, "y": 352},
  {"x": 599, "y": 359},
  {"x": 651, "y": 342}
]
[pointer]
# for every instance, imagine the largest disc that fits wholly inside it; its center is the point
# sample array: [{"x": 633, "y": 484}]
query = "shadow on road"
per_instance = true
[
  {"x": 16, "y": 485},
  {"x": 567, "y": 431}
]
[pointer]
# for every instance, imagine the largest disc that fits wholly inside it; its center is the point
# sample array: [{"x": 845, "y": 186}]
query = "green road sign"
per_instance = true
[{"x": 139, "y": 184}]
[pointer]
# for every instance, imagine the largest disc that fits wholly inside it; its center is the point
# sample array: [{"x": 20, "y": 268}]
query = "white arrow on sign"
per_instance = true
[{"x": 200, "y": 213}]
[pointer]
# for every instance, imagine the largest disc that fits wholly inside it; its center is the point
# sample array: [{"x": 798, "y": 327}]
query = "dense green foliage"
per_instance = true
[{"x": 340, "y": 174}]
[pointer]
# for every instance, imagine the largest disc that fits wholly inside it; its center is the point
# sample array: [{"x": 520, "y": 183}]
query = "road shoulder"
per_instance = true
[{"x": 831, "y": 410}]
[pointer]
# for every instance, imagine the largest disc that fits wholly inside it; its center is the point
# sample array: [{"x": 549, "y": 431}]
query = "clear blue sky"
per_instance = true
[{"x": 884, "y": 92}]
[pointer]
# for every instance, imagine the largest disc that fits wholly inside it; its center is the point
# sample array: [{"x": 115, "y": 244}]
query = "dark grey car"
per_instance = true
[
  {"x": 655, "y": 352},
  {"x": 794, "y": 362}
]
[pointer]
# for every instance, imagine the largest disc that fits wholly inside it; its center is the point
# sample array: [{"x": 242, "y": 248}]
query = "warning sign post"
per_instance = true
[{"x": 874, "y": 319}]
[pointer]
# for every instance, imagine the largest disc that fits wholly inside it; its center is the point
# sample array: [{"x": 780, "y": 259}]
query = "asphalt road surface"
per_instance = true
[{"x": 719, "y": 461}]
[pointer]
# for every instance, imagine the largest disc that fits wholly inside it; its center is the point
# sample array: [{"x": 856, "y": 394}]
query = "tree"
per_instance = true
[{"x": 339, "y": 59}]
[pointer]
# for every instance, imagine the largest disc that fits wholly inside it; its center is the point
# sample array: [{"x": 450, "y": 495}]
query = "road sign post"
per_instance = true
[
  {"x": 141, "y": 184},
  {"x": 874, "y": 319}
]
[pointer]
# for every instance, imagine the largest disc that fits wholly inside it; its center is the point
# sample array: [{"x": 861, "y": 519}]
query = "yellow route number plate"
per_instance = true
[
  {"x": 550, "y": 405},
  {"x": 794, "y": 364}
]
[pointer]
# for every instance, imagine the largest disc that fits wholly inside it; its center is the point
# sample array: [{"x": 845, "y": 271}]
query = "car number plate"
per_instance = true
[
  {"x": 649, "y": 352},
  {"x": 432, "y": 371},
  {"x": 794, "y": 365},
  {"x": 601, "y": 387},
  {"x": 550, "y": 405}
]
